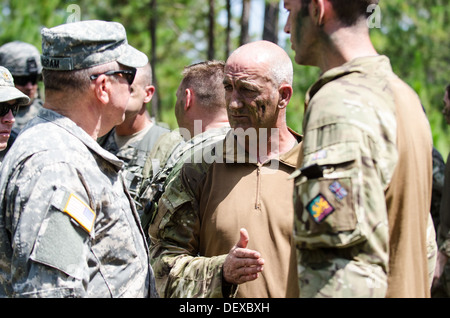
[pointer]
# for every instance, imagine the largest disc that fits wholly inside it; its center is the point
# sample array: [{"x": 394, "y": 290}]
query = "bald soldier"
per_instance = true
[
  {"x": 224, "y": 227},
  {"x": 363, "y": 190}
]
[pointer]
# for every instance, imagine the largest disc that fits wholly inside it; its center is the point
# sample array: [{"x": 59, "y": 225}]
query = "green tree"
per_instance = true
[{"x": 413, "y": 33}]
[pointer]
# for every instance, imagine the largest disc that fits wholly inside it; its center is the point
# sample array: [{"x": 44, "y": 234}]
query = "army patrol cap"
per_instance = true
[
  {"x": 7, "y": 89},
  {"x": 84, "y": 44},
  {"x": 20, "y": 58}
]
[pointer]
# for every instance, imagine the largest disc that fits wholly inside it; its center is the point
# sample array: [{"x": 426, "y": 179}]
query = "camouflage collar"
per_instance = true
[
  {"x": 68, "y": 125},
  {"x": 368, "y": 65}
]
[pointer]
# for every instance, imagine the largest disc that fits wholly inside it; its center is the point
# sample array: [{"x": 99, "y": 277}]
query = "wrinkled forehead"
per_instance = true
[{"x": 248, "y": 67}]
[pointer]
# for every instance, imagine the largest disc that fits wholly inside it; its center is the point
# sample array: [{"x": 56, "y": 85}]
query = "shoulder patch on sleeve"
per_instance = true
[
  {"x": 80, "y": 212},
  {"x": 319, "y": 208}
]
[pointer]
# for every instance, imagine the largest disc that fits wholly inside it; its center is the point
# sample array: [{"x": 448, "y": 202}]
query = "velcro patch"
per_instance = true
[
  {"x": 80, "y": 212},
  {"x": 319, "y": 208},
  {"x": 338, "y": 190}
]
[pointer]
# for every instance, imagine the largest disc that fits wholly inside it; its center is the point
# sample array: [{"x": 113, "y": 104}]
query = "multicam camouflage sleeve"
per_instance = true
[
  {"x": 179, "y": 270},
  {"x": 341, "y": 223}
]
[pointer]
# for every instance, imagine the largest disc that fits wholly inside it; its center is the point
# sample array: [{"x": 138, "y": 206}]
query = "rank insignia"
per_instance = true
[
  {"x": 319, "y": 208},
  {"x": 338, "y": 190}
]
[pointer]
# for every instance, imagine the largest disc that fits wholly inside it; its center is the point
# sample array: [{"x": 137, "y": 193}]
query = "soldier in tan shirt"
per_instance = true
[{"x": 235, "y": 193}]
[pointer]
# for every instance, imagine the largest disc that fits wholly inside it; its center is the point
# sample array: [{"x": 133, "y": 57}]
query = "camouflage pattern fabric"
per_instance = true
[
  {"x": 8, "y": 92},
  {"x": 7, "y": 89},
  {"x": 68, "y": 226},
  {"x": 23, "y": 116},
  {"x": 20, "y": 58},
  {"x": 84, "y": 44},
  {"x": 153, "y": 189},
  {"x": 160, "y": 153},
  {"x": 133, "y": 155},
  {"x": 341, "y": 227},
  {"x": 26, "y": 113},
  {"x": 182, "y": 267}
]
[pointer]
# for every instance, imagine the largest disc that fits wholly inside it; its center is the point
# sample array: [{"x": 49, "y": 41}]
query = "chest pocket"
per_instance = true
[{"x": 326, "y": 197}]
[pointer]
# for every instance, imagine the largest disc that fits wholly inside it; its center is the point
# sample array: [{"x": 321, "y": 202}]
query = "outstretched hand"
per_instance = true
[{"x": 242, "y": 264}]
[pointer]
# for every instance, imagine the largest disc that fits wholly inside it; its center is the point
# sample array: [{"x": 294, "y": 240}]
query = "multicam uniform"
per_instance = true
[
  {"x": 153, "y": 188},
  {"x": 200, "y": 215},
  {"x": 134, "y": 154},
  {"x": 362, "y": 200},
  {"x": 68, "y": 227}
]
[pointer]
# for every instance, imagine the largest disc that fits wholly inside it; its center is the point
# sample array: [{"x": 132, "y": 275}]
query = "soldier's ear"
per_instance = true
[
  {"x": 189, "y": 98},
  {"x": 149, "y": 91},
  {"x": 317, "y": 11},
  {"x": 285, "y": 94},
  {"x": 102, "y": 89}
]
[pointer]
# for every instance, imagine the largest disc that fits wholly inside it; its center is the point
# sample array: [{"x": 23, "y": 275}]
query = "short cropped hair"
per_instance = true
[
  {"x": 77, "y": 80},
  {"x": 206, "y": 80},
  {"x": 349, "y": 12}
]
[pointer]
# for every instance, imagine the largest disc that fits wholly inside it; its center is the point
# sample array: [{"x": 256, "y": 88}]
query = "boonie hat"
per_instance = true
[
  {"x": 7, "y": 89},
  {"x": 84, "y": 44},
  {"x": 20, "y": 58}
]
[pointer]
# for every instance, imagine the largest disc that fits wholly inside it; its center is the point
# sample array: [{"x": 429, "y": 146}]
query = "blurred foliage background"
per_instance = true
[{"x": 415, "y": 34}]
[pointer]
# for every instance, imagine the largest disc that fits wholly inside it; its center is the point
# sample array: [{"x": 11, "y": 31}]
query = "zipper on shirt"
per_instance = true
[{"x": 258, "y": 188}]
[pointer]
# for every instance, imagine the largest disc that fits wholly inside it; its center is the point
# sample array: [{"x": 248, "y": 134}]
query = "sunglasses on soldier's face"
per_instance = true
[
  {"x": 127, "y": 74},
  {"x": 24, "y": 80},
  {"x": 5, "y": 107}
]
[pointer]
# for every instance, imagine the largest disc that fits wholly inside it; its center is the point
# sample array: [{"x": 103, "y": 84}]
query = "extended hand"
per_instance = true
[{"x": 242, "y": 264}]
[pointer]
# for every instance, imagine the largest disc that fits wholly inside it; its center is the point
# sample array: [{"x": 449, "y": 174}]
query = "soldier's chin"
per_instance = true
[{"x": 3, "y": 143}]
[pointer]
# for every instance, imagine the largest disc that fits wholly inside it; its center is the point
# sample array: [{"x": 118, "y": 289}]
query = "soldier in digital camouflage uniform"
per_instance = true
[
  {"x": 24, "y": 62},
  {"x": 133, "y": 140},
  {"x": 363, "y": 187},
  {"x": 69, "y": 227},
  {"x": 10, "y": 101},
  {"x": 232, "y": 191},
  {"x": 204, "y": 121}
]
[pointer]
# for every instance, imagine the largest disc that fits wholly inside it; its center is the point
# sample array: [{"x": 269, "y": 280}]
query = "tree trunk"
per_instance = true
[
  {"x": 153, "y": 59},
  {"x": 211, "y": 18},
  {"x": 270, "y": 32},
  {"x": 228, "y": 36},
  {"x": 245, "y": 38}
]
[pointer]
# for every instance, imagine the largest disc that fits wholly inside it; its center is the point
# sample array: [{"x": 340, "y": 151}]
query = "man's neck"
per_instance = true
[
  {"x": 133, "y": 125},
  {"x": 84, "y": 114},
  {"x": 270, "y": 143},
  {"x": 344, "y": 46}
]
